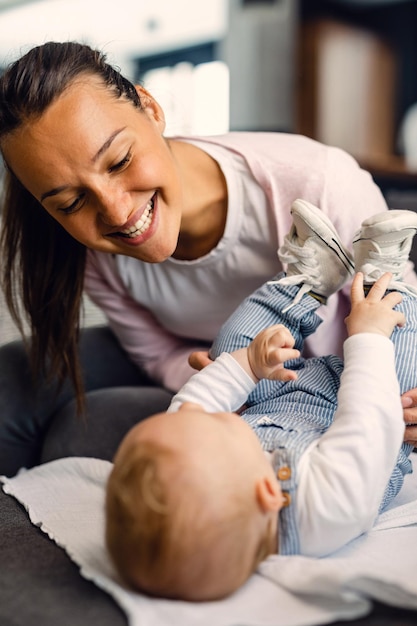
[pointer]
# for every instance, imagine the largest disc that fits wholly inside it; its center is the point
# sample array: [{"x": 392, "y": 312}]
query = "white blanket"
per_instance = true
[{"x": 65, "y": 498}]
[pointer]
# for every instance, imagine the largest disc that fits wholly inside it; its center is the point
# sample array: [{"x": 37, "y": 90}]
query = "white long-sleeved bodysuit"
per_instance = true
[
  {"x": 341, "y": 477},
  {"x": 162, "y": 312}
]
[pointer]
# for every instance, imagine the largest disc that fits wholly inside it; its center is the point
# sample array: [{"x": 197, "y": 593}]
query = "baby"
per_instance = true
[{"x": 200, "y": 495}]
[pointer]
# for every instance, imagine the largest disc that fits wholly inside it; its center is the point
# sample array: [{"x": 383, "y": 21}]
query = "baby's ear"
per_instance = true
[{"x": 269, "y": 494}]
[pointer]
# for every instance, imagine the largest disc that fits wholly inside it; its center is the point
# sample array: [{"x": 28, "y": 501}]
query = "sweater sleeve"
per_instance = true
[
  {"x": 222, "y": 386},
  {"x": 151, "y": 347},
  {"x": 343, "y": 475}
]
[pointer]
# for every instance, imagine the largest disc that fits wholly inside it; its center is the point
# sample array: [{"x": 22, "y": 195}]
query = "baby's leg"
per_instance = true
[
  {"x": 405, "y": 345},
  {"x": 265, "y": 308},
  {"x": 317, "y": 263},
  {"x": 382, "y": 244}
]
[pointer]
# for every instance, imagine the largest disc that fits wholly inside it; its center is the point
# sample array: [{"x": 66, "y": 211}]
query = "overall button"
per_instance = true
[
  {"x": 286, "y": 499},
  {"x": 284, "y": 473}
]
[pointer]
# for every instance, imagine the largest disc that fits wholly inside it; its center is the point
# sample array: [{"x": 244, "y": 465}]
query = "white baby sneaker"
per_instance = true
[
  {"x": 383, "y": 244},
  {"x": 313, "y": 253}
]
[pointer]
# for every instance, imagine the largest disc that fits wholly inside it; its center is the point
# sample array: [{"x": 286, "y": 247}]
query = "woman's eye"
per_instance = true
[
  {"x": 121, "y": 164},
  {"x": 72, "y": 208}
]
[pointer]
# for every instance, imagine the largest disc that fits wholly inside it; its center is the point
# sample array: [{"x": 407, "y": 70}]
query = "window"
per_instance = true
[{"x": 192, "y": 87}]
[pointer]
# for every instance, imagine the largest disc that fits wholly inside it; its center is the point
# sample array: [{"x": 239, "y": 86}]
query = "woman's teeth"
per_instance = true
[{"x": 141, "y": 225}]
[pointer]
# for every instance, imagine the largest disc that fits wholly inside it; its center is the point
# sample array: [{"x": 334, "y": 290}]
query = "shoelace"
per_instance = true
[
  {"x": 371, "y": 273},
  {"x": 302, "y": 257},
  {"x": 392, "y": 263}
]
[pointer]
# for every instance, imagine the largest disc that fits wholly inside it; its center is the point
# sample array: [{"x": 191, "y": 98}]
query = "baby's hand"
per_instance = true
[
  {"x": 269, "y": 350},
  {"x": 373, "y": 313}
]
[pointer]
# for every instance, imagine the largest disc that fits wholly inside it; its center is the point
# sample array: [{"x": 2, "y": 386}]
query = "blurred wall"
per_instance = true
[
  {"x": 259, "y": 48},
  {"x": 126, "y": 29}
]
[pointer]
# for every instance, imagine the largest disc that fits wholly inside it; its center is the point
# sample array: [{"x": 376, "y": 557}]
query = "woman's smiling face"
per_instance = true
[{"x": 102, "y": 168}]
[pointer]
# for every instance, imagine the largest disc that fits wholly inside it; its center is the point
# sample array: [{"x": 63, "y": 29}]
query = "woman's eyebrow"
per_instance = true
[
  {"x": 106, "y": 145},
  {"x": 53, "y": 192}
]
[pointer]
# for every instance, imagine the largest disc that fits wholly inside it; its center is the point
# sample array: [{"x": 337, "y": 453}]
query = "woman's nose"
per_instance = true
[{"x": 114, "y": 206}]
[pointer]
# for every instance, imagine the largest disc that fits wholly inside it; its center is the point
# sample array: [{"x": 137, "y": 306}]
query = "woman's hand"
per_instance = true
[
  {"x": 199, "y": 360},
  {"x": 409, "y": 402}
]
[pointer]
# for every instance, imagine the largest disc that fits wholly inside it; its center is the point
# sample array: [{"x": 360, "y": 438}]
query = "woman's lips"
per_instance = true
[{"x": 141, "y": 225}]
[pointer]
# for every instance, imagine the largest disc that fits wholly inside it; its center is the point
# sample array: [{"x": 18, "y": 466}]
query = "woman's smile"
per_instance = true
[{"x": 140, "y": 227}]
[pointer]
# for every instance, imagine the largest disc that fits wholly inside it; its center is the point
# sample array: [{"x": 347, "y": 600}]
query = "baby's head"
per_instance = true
[{"x": 191, "y": 506}]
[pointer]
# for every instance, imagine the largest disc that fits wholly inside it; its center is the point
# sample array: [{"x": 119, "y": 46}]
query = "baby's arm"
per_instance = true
[
  {"x": 343, "y": 476},
  {"x": 225, "y": 384},
  {"x": 221, "y": 386}
]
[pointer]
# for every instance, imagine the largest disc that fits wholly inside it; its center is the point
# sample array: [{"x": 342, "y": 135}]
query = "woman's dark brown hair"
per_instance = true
[{"x": 42, "y": 269}]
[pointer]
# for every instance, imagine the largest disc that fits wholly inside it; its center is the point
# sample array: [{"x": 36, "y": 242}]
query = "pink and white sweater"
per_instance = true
[{"x": 162, "y": 312}]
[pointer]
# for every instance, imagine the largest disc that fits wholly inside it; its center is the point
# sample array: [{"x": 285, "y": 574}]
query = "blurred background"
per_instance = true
[{"x": 341, "y": 71}]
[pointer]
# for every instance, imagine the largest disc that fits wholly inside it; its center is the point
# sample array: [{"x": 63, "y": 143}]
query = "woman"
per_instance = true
[{"x": 167, "y": 236}]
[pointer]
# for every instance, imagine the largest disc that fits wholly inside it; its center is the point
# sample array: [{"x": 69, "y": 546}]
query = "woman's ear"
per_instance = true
[
  {"x": 269, "y": 494},
  {"x": 151, "y": 107}
]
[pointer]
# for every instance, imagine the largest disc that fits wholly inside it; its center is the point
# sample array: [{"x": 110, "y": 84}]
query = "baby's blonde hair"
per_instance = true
[{"x": 166, "y": 535}]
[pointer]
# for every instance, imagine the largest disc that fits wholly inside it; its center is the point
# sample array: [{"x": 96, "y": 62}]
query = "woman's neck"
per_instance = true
[{"x": 205, "y": 201}]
